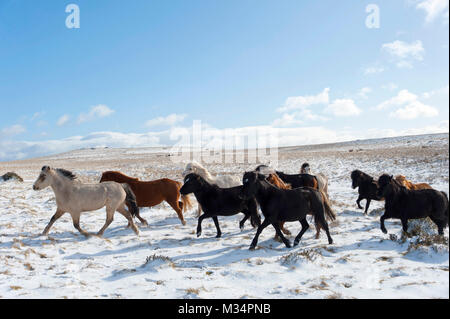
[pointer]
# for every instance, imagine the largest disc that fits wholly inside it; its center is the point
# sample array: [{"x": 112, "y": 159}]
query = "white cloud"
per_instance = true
[
  {"x": 373, "y": 70},
  {"x": 405, "y": 50},
  {"x": 403, "y": 53},
  {"x": 390, "y": 86},
  {"x": 363, "y": 92},
  {"x": 407, "y": 106},
  {"x": 434, "y": 9},
  {"x": 98, "y": 111},
  {"x": 414, "y": 110},
  {"x": 302, "y": 102},
  {"x": 211, "y": 138},
  {"x": 169, "y": 120},
  {"x": 13, "y": 130},
  {"x": 441, "y": 91},
  {"x": 343, "y": 108},
  {"x": 403, "y": 97},
  {"x": 63, "y": 120}
]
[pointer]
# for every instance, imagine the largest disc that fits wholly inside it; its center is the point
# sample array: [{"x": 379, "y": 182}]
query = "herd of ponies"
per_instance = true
[{"x": 281, "y": 198}]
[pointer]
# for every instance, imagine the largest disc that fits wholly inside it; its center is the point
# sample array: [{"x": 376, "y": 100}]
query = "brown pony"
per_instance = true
[
  {"x": 276, "y": 181},
  {"x": 403, "y": 181},
  {"x": 149, "y": 194}
]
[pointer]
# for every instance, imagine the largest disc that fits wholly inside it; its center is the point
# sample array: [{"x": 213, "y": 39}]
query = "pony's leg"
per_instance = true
[
  {"x": 440, "y": 224},
  {"x": 284, "y": 229},
  {"x": 199, "y": 226},
  {"x": 242, "y": 222},
  {"x": 216, "y": 222},
  {"x": 128, "y": 216},
  {"x": 323, "y": 224},
  {"x": 277, "y": 227},
  {"x": 360, "y": 198},
  {"x": 305, "y": 227},
  {"x": 367, "y": 205},
  {"x": 265, "y": 223},
  {"x": 138, "y": 215},
  {"x": 382, "y": 219},
  {"x": 317, "y": 231},
  {"x": 76, "y": 224},
  {"x": 54, "y": 218},
  {"x": 177, "y": 209},
  {"x": 109, "y": 220},
  {"x": 404, "y": 221},
  {"x": 199, "y": 212}
]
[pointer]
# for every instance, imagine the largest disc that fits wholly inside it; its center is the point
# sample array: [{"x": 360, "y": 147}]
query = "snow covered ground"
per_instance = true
[{"x": 168, "y": 261}]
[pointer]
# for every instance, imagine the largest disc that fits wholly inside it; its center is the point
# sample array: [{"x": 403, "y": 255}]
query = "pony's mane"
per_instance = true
[
  {"x": 202, "y": 180},
  {"x": 199, "y": 168},
  {"x": 121, "y": 174},
  {"x": 275, "y": 180},
  {"x": 66, "y": 173},
  {"x": 364, "y": 175}
]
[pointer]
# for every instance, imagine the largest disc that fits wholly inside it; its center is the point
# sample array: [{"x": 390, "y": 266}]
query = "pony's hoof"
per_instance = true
[
  {"x": 183, "y": 222},
  {"x": 219, "y": 235},
  {"x": 288, "y": 246},
  {"x": 296, "y": 243},
  {"x": 330, "y": 242},
  {"x": 199, "y": 234},
  {"x": 252, "y": 248},
  {"x": 384, "y": 231}
]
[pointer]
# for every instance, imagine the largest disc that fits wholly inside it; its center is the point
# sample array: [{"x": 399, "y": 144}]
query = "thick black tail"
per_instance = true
[
  {"x": 447, "y": 202},
  {"x": 131, "y": 200}
]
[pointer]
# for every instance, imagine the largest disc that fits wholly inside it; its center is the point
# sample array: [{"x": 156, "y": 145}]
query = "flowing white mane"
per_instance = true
[{"x": 221, "y": 181}]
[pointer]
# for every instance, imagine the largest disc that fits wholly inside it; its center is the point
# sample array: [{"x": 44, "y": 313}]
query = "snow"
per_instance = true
[{"x": 167, "y": 260}]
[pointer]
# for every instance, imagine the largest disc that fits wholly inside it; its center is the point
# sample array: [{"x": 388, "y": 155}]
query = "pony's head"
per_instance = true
[
  {"x": 44, "y": 179},
  {"x": 264, "y": 169},
  {"x": 356, "y": 175},
  {"x": 194, "y": 168},
  {"x": 192, "y": 182},
  {"x": 386, "y": 185},
  {"x": 251, "y": 183},
  {"x": 401, "y": 179},
  {"x": 305, "y": 169}
]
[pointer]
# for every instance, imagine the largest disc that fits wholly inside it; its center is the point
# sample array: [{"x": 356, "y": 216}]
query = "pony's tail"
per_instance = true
[
  {"x": 329, "y": 212},
  {"x": 448, "y": 206},
  {"x": 131, "y": 200},
  {"x": 186, "y": 201}
]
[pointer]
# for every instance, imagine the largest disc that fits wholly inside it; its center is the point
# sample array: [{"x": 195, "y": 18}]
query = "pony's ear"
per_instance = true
[
  {"x": 45, "y": 169},
  {"x": 392, "y": 177}
]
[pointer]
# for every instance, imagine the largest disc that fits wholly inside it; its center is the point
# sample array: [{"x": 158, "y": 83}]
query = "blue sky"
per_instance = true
[{"x": 136, "y": 71}]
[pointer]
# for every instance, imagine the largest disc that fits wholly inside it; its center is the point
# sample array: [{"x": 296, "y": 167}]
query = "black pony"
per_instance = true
[
  {"x": 295, "y": 180},
  {"x": 404, "y": 204},
  {"x": 216, "y": 201},
  {"x": 367, "y": 188},
  {"x": 280, "y": 205}
]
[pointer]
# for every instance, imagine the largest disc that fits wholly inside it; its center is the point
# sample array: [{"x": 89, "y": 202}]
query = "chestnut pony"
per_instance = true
[
  {"x": 402, "y": 180},
  {"x": 149, "y": 194}
]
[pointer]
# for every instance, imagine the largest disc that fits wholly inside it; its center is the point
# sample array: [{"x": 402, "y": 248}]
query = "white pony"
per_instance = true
[
  {"x": 223, "y": 181},
  {"x": 74, "y": 198}
]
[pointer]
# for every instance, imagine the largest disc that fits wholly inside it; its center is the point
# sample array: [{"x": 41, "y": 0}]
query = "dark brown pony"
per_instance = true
[
  {"x": 149, "y": 194},
  {"x": 275, "y": 180}
]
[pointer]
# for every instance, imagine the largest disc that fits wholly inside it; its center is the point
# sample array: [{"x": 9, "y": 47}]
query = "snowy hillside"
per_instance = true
[{"x": 167, "y": 260}]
